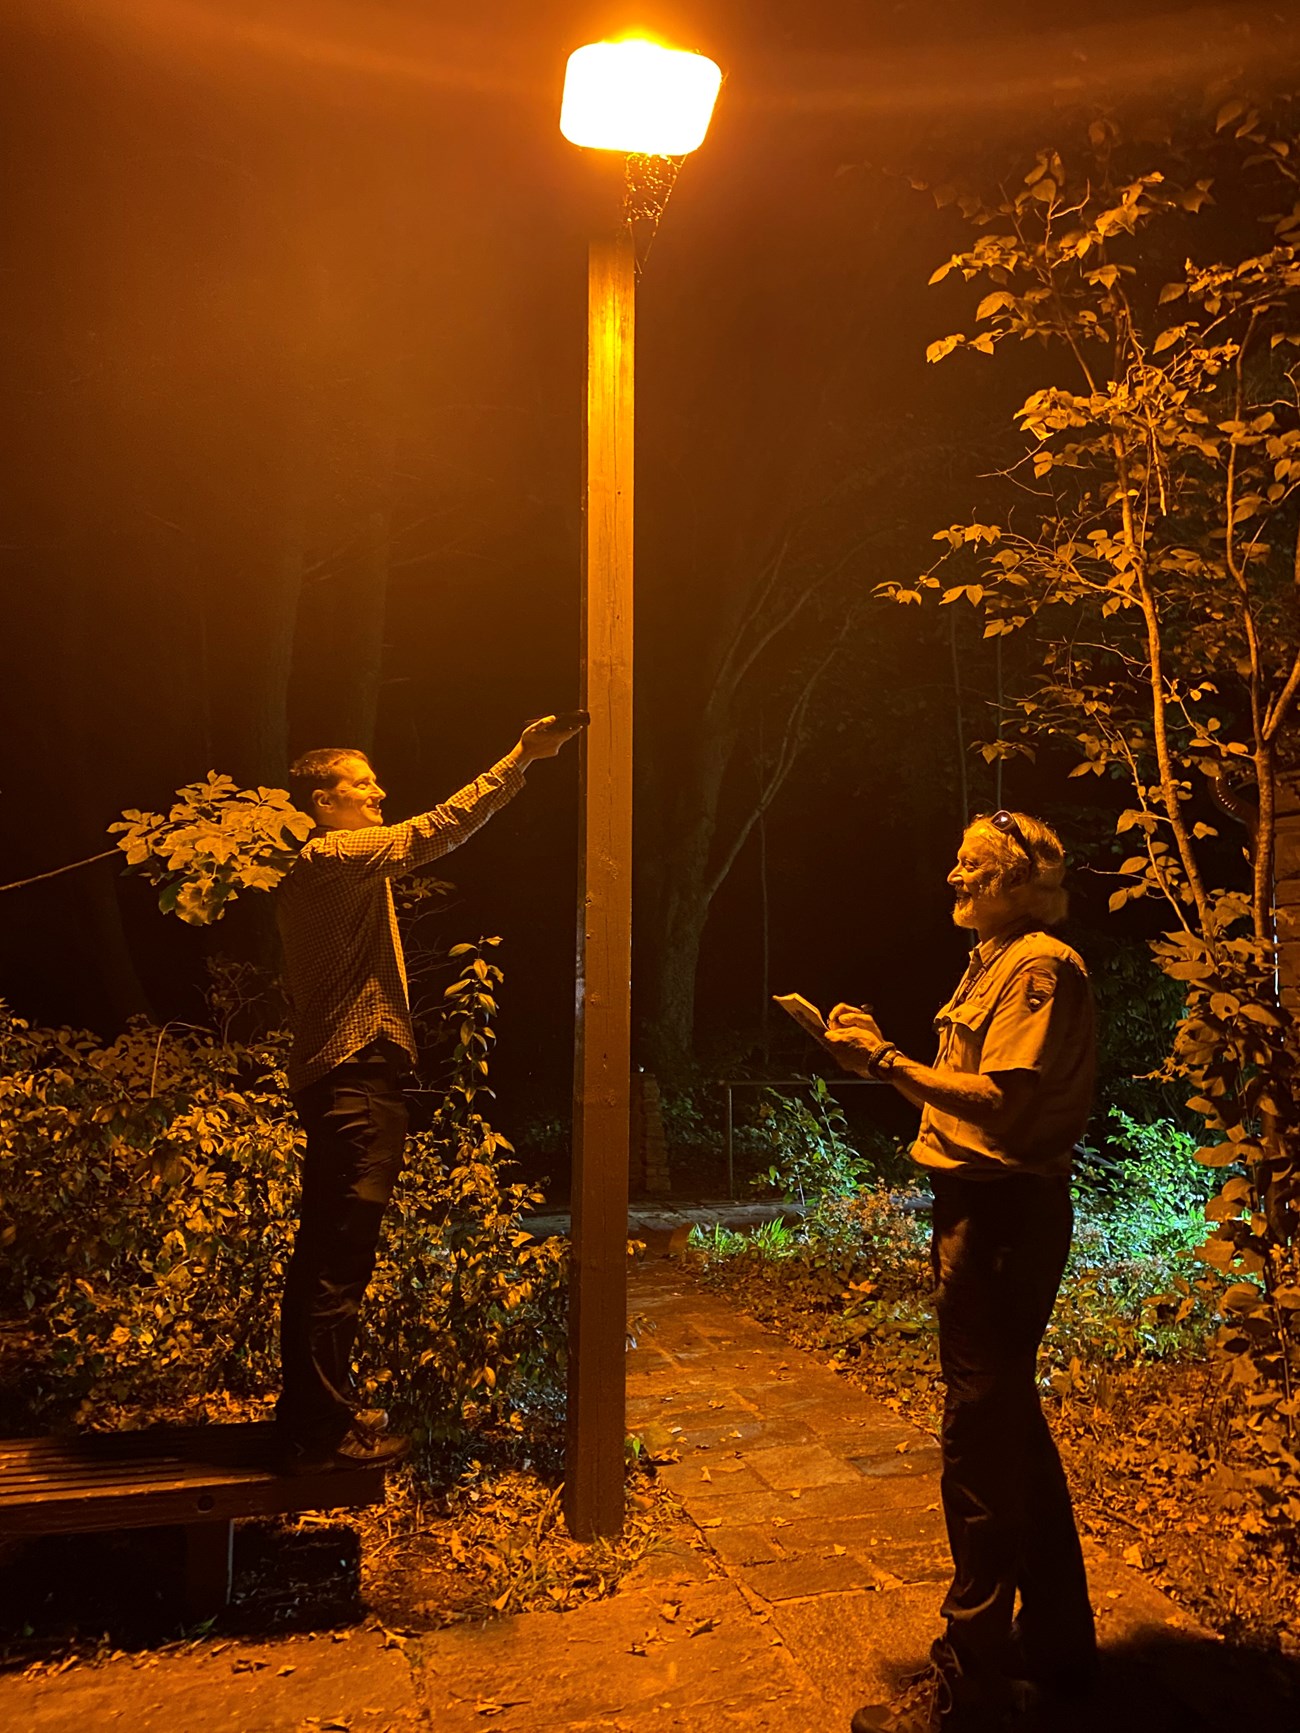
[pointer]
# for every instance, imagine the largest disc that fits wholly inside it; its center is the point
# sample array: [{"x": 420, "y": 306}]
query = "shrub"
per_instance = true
[
  {"x": 148, "y": 1192},
  {"x": 1146, "y": 1197},
  {"x": 146, "y": 1197},
  {"x": 464, "y": 1307},
  {"x": 804, "y": 1140}
]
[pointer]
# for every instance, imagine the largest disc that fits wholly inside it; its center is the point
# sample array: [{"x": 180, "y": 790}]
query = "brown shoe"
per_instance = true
[
  {"x": 365, "y": 1448},
  {"x": 358, "y": 1448}
]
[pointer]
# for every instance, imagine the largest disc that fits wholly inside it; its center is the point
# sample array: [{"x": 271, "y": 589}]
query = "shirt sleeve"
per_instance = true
[
  {"x": 389, "y": 850},
  {"x": 1044, "y": 1007}
]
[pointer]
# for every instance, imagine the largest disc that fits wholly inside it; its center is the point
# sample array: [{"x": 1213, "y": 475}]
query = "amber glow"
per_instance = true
[{"x": 637, "y": 96}]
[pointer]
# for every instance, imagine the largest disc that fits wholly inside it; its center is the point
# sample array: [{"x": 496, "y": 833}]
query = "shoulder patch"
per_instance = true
[{"x": 1040, "y": 984}]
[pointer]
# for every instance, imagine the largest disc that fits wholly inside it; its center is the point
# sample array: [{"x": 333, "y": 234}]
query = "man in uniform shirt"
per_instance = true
[
  {"x": 1002, "y": 1107},
  {"x": 345, "y": 977}
]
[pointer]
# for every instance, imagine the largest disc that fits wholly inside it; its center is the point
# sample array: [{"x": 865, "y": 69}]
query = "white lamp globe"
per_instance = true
[{"x": 637, "y": 97}]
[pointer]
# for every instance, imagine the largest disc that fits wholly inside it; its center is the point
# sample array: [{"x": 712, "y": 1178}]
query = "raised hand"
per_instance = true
[{"x": 545, "y": 737}]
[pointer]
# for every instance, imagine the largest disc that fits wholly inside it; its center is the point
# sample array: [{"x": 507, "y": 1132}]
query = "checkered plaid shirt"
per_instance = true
[{"x": 343, "y": 965}]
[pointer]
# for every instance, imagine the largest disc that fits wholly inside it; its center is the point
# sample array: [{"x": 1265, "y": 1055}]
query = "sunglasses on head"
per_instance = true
[{"x": 1005, "y": 821}]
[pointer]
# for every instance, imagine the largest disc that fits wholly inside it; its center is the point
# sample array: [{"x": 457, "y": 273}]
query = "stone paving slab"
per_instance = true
[
  {"x": 225, "y": 1687},
  {"x": 825, "y": 1505},
  {"x": 672, "y": 1653}
]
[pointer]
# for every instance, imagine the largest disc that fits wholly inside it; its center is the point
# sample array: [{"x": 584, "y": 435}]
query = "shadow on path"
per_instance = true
[{"x": 1162, "y": 1682}]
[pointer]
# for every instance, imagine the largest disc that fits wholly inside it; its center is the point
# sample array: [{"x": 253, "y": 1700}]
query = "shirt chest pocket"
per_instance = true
[{"x": 961, "y": 1029}]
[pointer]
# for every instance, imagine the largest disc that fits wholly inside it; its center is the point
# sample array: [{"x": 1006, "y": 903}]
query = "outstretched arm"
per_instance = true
[{"x": 390, "y": 850}]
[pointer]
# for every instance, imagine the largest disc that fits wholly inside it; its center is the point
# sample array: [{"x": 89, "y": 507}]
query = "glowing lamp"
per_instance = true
[{"x": 636, "y": 97}]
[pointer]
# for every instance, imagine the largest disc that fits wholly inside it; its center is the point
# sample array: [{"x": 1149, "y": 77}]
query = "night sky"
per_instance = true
[{"x": 294, "y": 298}]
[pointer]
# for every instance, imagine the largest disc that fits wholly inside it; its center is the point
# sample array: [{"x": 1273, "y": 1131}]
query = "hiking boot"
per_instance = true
[{"x": 927, "y": 1703}]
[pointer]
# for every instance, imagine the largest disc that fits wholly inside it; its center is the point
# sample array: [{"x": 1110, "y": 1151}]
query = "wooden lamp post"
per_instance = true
[{"x": 637, "y": 98}]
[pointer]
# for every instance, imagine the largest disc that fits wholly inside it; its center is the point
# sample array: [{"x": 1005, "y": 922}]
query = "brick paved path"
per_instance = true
[{"x": 815, "y": 1577}]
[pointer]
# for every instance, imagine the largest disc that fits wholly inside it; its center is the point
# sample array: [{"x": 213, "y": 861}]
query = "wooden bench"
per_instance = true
[{"x": 199, "y": 1478}]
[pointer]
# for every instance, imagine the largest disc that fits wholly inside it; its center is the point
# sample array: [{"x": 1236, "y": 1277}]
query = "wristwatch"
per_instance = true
[{"x": 883, "y": 1060}]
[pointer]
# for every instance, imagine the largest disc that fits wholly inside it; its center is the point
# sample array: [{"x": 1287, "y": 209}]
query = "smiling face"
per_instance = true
[
  {"x": 356, "y": 800},
  {"x": 984, "y": 904}
]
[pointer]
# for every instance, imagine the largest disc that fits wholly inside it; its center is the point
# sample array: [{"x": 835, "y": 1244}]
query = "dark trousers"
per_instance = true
[
  {"x": 355, "y": 1120},
  {"x": 999, "y": 1248}
]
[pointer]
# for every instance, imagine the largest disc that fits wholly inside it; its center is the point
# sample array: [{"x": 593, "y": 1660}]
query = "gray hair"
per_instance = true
[{"x": 1039, "y": 882}]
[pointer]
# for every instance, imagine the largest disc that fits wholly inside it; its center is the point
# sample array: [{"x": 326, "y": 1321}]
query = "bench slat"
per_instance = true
[
  {"x": 161, "y": 1476},
  {"x": 141, "y": 1508},
  {"x": 212, "y": 1443},
  {"x": 20, "y": 1488}
]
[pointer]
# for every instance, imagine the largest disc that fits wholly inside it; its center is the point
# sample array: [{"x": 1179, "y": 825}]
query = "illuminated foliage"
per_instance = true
[
  {"x": 217, "y": 840},
  {"x": 1156, "y": 571},
  {"x": 148, "y": 1193}
]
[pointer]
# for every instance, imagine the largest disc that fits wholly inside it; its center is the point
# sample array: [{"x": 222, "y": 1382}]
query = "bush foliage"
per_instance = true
[
  {"x": 216, "y": 840},
  {"x": 148, "y": 1192}
]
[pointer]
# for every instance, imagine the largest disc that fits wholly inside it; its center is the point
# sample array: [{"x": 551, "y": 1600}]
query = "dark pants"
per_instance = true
[
  {"x": 355, "y": 1120},
  {"x": 999, "y": 1248}
]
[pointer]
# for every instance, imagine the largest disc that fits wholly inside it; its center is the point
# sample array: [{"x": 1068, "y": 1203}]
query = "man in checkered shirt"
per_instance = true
[{"x": 352, "y": 1041}]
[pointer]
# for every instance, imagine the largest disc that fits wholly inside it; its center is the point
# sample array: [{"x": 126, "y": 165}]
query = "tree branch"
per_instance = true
[
  {"x": 39, "y": 878},
  {"x": 787, "y": 754}
]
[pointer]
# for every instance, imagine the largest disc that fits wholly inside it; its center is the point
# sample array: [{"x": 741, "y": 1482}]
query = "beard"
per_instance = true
[{"x": 963, "y": 914}]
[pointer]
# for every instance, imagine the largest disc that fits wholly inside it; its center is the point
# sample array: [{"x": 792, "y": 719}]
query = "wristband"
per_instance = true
[{"x": 882, "y": 1061}]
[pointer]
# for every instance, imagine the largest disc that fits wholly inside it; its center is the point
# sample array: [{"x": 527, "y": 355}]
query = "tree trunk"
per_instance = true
[
  {"x": 681, "y": 909},
  {"x": 1287, "y": 887},
  {"x": 366, "y": 600}
]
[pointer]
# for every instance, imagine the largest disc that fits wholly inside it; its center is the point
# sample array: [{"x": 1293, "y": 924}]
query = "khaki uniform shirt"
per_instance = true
[
  {"x": 344, "y": 971},
  {"x": 1024, "y": 1004}
]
